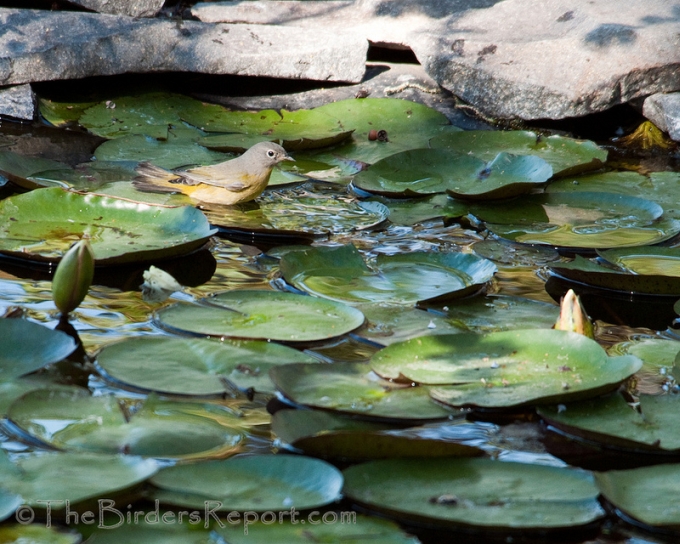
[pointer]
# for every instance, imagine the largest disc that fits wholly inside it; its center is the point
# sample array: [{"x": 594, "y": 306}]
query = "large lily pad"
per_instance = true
[
  {"x": 566, "y": 155},
  {"x": 331, "y": 436},
  {"x": 479, "y": 493},
  {"x": 73, "y": 477},
  {"x": 27, "y": 346},
  {"x": 345, "y": 527},
  {"x": 606, "y": 277},
  {"x": 263, "y": 315},
  {"x": 649, "y": 495},
  {"x": 162, "y": 429},
  {"x": 352, "y": 388},
  {"x": 610, "y": 421},
  {"x": 253, "y": 483},
  {"x": 427, "y": 171},
  {"x": 508, "y": 368},
  {"x": 183, "y": 366},
  {"x": 42, "y": 225},
  {"x": 340, "y": 273},
  {"x": 19, "y": 169},
  {"x": 413, "y": 211},
  {"x": 577, "y": 220}
]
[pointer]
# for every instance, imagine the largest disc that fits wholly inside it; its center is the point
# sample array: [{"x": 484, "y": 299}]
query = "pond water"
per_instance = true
[{"x": 115, "y": 310}]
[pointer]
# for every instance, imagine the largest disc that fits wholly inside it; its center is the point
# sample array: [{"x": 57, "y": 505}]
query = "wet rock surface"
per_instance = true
[
  {"x": 17, "y": 102},
  {"x": 664, "y": 111},
  {"x": 133, "y": 8}
]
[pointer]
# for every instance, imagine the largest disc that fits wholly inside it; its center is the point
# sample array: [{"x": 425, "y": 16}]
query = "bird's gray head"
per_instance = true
[{"x": 268, "y": 153}]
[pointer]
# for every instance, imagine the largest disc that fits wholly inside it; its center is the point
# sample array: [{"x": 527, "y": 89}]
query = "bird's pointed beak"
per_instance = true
[{"x": 288, "y": 158}]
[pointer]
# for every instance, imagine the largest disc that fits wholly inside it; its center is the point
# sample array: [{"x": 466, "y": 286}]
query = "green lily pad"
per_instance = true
[
  {"x": 610, "y": 421},
  {"x": 263, "y": 315},
  {"x": 566, "y": 155},
  {"x": 41, "y": 225},
  {"x": 36, "y": 534},
  {"x": 59, "y": 113},
  {"x": 353, "y": 389},
  {"x": 345, "y": 527},
  {"x": 576, "y": 220},
  {"x": 161, "y": 429},
  {"x": 19, "y": 169},
  {"x": 86, "y": 176},
  {"x": 290, "y": 211},
  {"x": 254, "y": 483},
  {"x": 501, "y": 313},
  {"x": 412, "y": 211},
  {"x": 183, "y": 366},
  {"x": 658, "y": 359},
  {"x": 596, "y": 275},
  {"x": 149, "y": 114},
  {"x": 169, "y": 529},
  {"x": 27, "y": 346},
  {"x": 479, "y": 493},
  {"x": 646, "y": 261},
  {"x": 330, "y": 436},
  {"x": 508, "y": 368},
  {"x": 292, "y": 135},
  {"x": 12, "y": 390},
  {"x": 9, "y": 502},
  {"x": 649, "y": 495},
  {"x": 340, "y": 273},
  {"x": 73, "y": 477},
  {"x": 428, "y": 171}
]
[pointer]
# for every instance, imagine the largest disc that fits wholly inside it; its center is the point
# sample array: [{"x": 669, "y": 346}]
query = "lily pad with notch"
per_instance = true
[
  {"x": 480, "y": 494},
  {"x": 505, "y": 369},
  {"x": 566, "y": 156},
  {"x": 428, "y": 171},
  {"x": 42, "y": 225},
  {"x": 352, "y": 388},
  {"x": 340, "y": 273},
  {"x": 262, "y": 315},
  {"x": 194, "y": 366},
  {"x": 254, "y": 483}
]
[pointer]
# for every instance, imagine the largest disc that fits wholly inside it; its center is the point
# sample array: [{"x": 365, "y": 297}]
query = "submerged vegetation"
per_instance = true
[{"x": 382, "y": 302}]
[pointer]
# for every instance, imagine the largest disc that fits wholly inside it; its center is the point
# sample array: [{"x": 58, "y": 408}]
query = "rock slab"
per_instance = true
[
  {"x": 17, "y": 102},
  {"x": 132, "y": 8},
  {"x": 45, "y": 45},
  {"x": 664, "y": 111}
]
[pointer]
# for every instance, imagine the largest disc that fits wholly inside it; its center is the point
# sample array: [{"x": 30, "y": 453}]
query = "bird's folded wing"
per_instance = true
[{"x": 226, "y": 183}]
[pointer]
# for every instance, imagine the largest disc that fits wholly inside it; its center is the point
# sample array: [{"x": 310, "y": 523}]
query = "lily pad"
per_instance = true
[
  {"x": 428, "y": 171},
  {"x": 330, "y": 436},
  {"x": 19, "y": 169},
  {"x": 73, "y": 477},
  {"x": 353, "y": 389},
  {"x": 658, "y": 359},
  {"x": 412, "y": 211},
  {"x": 36, "y": 534},
  {"x": 86, "y": 176},
  {"x": 508, "y": 368},
  {"x": 649, "y": 495},
  {"x": 161, "y": 429},
  {"x": 346, "y": 527},
  {"x": 566, "y": 155},
  {"x": 646, "y": 261},
  {"x": 183, "y": 366},
  {"x": 9, "y": 502},
  {"x": 610, "y": 421},
  {"x": 169, "y": 528},
  {"x": 253, "y": 483},
  {"x": 27, "y": 346},
  {"x": 475, "y": 493},
  {"x": 577, "y": 220},
  {"x": 41, "y": 225},
  {"x": 340, "y": 273},
  {"x": 263, "y": 315},
  {"x": 608, "y": 278},
  {"x": 59, "y": 114}
]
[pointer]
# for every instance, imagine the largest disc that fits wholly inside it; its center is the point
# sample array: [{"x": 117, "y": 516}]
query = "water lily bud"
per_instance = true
[{"x": 73, "y": 277}]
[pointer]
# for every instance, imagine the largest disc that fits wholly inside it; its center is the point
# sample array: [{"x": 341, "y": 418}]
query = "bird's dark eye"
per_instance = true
[{"x": 271, "y": 153}]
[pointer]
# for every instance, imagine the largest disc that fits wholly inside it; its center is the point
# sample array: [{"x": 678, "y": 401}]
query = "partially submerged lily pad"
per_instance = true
[
  {"x": 19, "y": 169},
  {"x": 42, "y": 224},
  {"x": 428, "y": 171},
  {"x": 611, "y": 422},
  {"x": 412, "y": 211},
  {"x": 649, "y": 495},
  {"x": 331, "y": 436},
  {"x": 475, "y": 493},
  {"x": 262, "y": 315},
  {"x": 658, "y": 357},
  {"x": 352, "y": 388},
  {"x": 184, "y": 366},
  {"x": 253, "y": 483},
  {"x": 340, "y": 273},
  {"x": 509, "y": 368},
  {"x": 566, "y": 155},
  {"x": 161, "y": 429}
]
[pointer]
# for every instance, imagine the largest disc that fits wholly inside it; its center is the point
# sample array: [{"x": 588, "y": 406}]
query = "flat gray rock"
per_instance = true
[
  {"x": 133, "y": 8},
  {"x": 47, "y": 45},
  {"x": 664, "y": 111},
  {"x": 17, "y": 102},
  {"x": 527, "y": 59}
]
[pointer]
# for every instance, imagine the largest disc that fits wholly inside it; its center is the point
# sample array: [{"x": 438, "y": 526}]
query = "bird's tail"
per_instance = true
[{"x": 154, "y": 179}]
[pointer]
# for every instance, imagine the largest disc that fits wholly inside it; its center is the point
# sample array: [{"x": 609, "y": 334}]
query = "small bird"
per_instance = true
[{"x": 230, "y": 182}]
